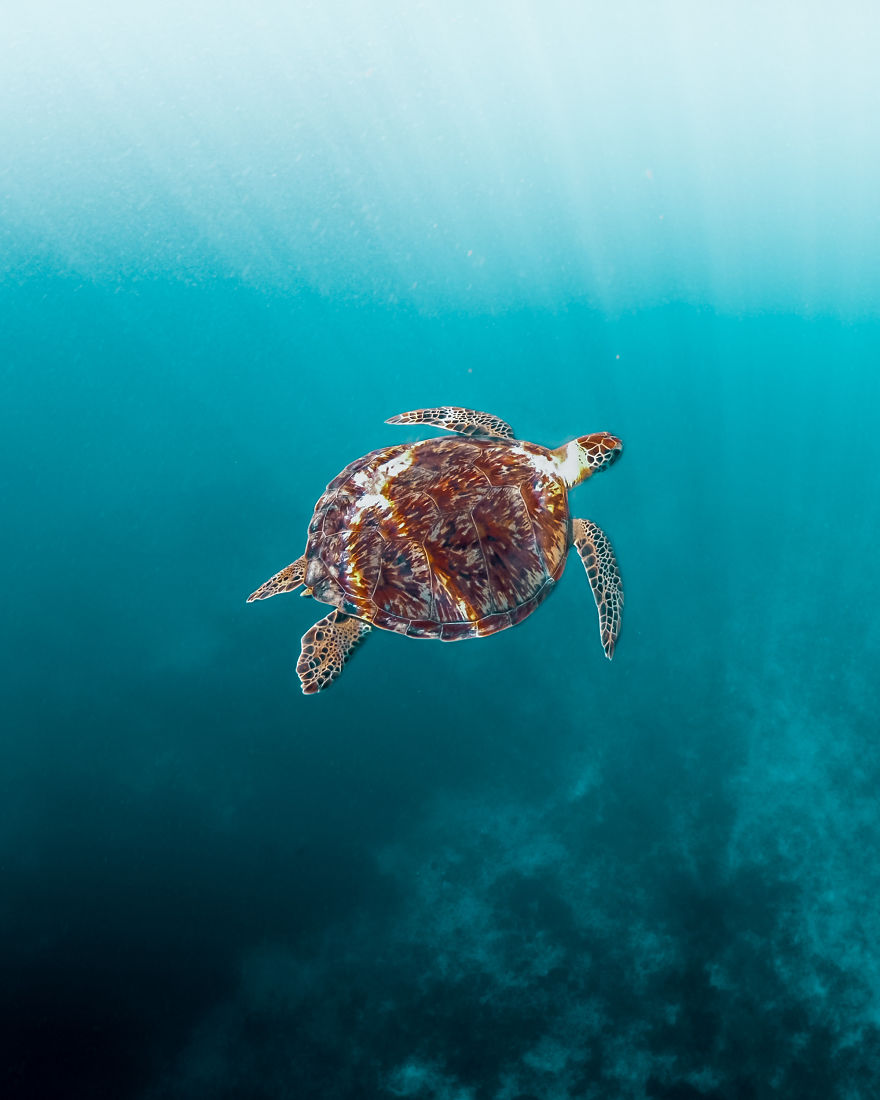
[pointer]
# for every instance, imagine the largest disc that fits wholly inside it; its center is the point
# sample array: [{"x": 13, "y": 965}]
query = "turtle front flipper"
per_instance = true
[
  {"x": 601, "y": 565},
  {"x": 290, "y": 578},
  {"x": 454, "y": 419},
  {"x": 326, "y": 648}
]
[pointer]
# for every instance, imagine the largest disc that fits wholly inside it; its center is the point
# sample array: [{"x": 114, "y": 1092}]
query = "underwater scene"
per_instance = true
[{"x": 236, "y": 240}]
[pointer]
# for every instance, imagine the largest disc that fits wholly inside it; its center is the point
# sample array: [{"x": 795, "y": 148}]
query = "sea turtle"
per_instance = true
[{"x": 448, "y": 538}]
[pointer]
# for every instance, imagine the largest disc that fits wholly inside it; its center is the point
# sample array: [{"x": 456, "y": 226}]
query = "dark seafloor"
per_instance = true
[{"x": 234, "y": 241}]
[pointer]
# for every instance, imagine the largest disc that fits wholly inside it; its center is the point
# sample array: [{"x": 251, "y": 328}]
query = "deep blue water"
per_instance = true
[{"x": 233, "y": 245}]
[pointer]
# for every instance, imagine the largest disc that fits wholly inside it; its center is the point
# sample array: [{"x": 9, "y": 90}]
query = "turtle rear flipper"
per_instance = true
[
  {"x": 326, "y": 648},
  {"x": 289, "y": 579},
  {"x": 600, "y": 563},
  {"x": 454, "y": 419}
]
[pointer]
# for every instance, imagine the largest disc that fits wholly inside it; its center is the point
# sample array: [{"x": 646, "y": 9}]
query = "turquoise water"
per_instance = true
[{"x": 235, "y": 243}]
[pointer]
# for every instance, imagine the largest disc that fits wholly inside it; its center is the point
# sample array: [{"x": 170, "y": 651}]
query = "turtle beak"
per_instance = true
[{"x": 614, "y": 447}]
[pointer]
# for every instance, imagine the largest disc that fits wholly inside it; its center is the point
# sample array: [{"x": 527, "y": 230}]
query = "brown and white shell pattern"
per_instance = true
[{"x": 444, "y": 538}]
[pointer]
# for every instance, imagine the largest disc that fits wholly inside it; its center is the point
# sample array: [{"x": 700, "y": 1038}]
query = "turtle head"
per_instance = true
[{"x": 587, "y": 455}]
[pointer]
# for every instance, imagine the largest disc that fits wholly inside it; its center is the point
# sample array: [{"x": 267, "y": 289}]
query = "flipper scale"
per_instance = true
[
  {"x": 455, "y": 419},
  {"x": 325, "y": 649},
  {"x": 600, "y": 563},
  {"x": 289, "y": 579}
]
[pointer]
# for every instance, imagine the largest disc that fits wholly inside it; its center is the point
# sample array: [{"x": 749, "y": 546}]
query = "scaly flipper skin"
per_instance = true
[
  {"x": 290, "y": 578},
  {"x": 601, "y": 566},
  {"x": 454, "y": 419},
  {"x": 326, "y": 648}
]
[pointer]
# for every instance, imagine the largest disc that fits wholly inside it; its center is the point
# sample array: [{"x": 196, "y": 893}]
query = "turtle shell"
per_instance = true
[{"x": 446, "y": 538}]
